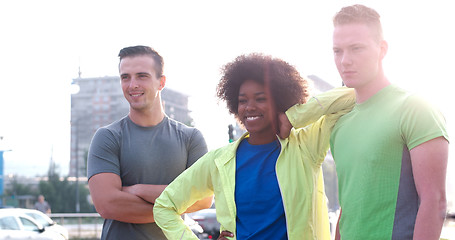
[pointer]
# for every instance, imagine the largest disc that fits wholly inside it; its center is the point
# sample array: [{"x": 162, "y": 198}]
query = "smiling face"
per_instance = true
[
  {"x": 140, "y": 83},
  {"x": 255, "y": 112},
  {"x": 358, "y": 55}
]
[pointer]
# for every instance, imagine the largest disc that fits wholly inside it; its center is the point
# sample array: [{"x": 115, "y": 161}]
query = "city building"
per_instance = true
[
  {"x": 100, "y": 102},
  {"x": 319, "y": 85}
]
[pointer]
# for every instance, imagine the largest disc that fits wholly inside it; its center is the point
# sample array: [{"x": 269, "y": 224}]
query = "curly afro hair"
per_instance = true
[{"x": 284, "y": 82}]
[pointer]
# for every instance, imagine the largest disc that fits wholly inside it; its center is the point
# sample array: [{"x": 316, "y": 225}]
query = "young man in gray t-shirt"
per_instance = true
[{"x": 132, "y": 160}]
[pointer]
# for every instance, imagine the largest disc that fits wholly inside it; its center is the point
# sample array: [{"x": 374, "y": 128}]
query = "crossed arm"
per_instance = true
[{"x": 133, "y": 204}]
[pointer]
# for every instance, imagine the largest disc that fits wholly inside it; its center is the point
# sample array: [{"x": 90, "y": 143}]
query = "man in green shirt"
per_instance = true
[{"x": 391, "y": 150}]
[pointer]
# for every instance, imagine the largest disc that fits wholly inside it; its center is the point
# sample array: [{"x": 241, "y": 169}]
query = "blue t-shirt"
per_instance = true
[{"x": 260, "y": 210}]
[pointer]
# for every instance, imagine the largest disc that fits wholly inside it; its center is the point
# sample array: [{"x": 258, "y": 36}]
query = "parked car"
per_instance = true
[
  {"x": 44, "y": 220},
  {"x": 207, "y": 219},
  {"x": 18, "y": 226}
]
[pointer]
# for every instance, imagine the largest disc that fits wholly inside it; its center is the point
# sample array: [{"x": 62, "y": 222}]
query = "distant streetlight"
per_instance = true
[
  {"x": 75, "y": 90},
  {"x": 1, "y": 171},
  {"x": 75, "y": 134},
  {"x": 76, "y": 154}
]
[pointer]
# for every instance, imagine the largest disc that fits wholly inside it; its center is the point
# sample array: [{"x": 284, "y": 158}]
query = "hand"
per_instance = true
[
  {"x": 284, "y": 126},
  {"x": 225, "y": 234}
]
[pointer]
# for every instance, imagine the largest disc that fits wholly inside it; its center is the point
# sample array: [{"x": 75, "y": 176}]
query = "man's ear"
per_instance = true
[
  {"x": 162, "y": 82},
  {"x": 384, "y": 48}
]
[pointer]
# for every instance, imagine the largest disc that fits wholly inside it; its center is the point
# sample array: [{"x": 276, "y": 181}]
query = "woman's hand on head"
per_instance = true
[{"x": 284, "y": 126}]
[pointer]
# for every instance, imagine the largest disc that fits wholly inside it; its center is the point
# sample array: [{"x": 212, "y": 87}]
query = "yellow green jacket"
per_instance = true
[{"x": 298, "y": 170}]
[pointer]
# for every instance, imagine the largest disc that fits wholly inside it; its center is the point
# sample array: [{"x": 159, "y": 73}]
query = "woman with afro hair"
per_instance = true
[{"x": 265, "y": 186}]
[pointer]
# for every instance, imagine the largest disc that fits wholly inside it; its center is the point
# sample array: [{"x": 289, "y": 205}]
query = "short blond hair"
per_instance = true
[{"x": 360, "y": 14}]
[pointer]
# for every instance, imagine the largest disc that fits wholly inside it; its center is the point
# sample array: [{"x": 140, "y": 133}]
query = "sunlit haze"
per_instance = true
[{"x": 44, "y": 43}]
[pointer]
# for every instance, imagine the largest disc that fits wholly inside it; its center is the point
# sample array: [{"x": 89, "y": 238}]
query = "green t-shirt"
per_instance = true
[{"x": 371, "y": 147}]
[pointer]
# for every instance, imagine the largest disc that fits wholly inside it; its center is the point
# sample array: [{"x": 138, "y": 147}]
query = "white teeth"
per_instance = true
[
  {"x": 136, "y": 95},
  {"x": 251, "y": 118}
]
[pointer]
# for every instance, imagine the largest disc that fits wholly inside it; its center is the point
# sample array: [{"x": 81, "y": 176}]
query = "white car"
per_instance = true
[
  {"x": 18, "y": 226},
  {"x": 44, "y": 220}
]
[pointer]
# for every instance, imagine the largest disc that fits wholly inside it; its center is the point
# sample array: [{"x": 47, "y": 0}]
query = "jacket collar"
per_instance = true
[{"x": 231, "y": 150}]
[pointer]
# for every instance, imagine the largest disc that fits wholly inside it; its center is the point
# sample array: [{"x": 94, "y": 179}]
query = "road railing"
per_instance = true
[{"x": 80, "y": 225}]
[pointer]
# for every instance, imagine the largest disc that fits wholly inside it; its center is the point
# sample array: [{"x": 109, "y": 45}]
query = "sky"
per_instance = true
[{"x": 43, "y": 45}]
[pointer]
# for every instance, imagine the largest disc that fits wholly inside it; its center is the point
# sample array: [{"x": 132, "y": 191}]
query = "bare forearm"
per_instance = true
[
  {"x": 201, "y": 204},
  {"x": 113, "y": 203},
  {"x": 147, "y": 192},
  {"x": 430, "y": 219},
  {"x": 126, "y": 207},
  {"x": 134, "y": 204}
]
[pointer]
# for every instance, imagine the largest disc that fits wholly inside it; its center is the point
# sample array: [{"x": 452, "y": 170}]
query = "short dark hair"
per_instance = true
[
  {"x": 139, "y": 50},
  {"x": 286, "y": 86},
  {"x": 360, "y": 14}
]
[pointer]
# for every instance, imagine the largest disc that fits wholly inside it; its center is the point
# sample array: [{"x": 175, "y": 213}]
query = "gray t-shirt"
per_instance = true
[
  {"x": 42, "y": 206},
  {"x": 142, "y": 155}
]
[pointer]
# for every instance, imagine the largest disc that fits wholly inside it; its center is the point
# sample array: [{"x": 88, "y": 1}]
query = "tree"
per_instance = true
[
  {"x": 18, "y": 189},
  {"x": 61, "y": 193}
]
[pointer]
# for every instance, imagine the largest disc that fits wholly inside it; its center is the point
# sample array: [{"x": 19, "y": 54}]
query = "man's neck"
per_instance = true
[
  {"x": 146, "y": 118},
  {"x": 366, "y": 92}
]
